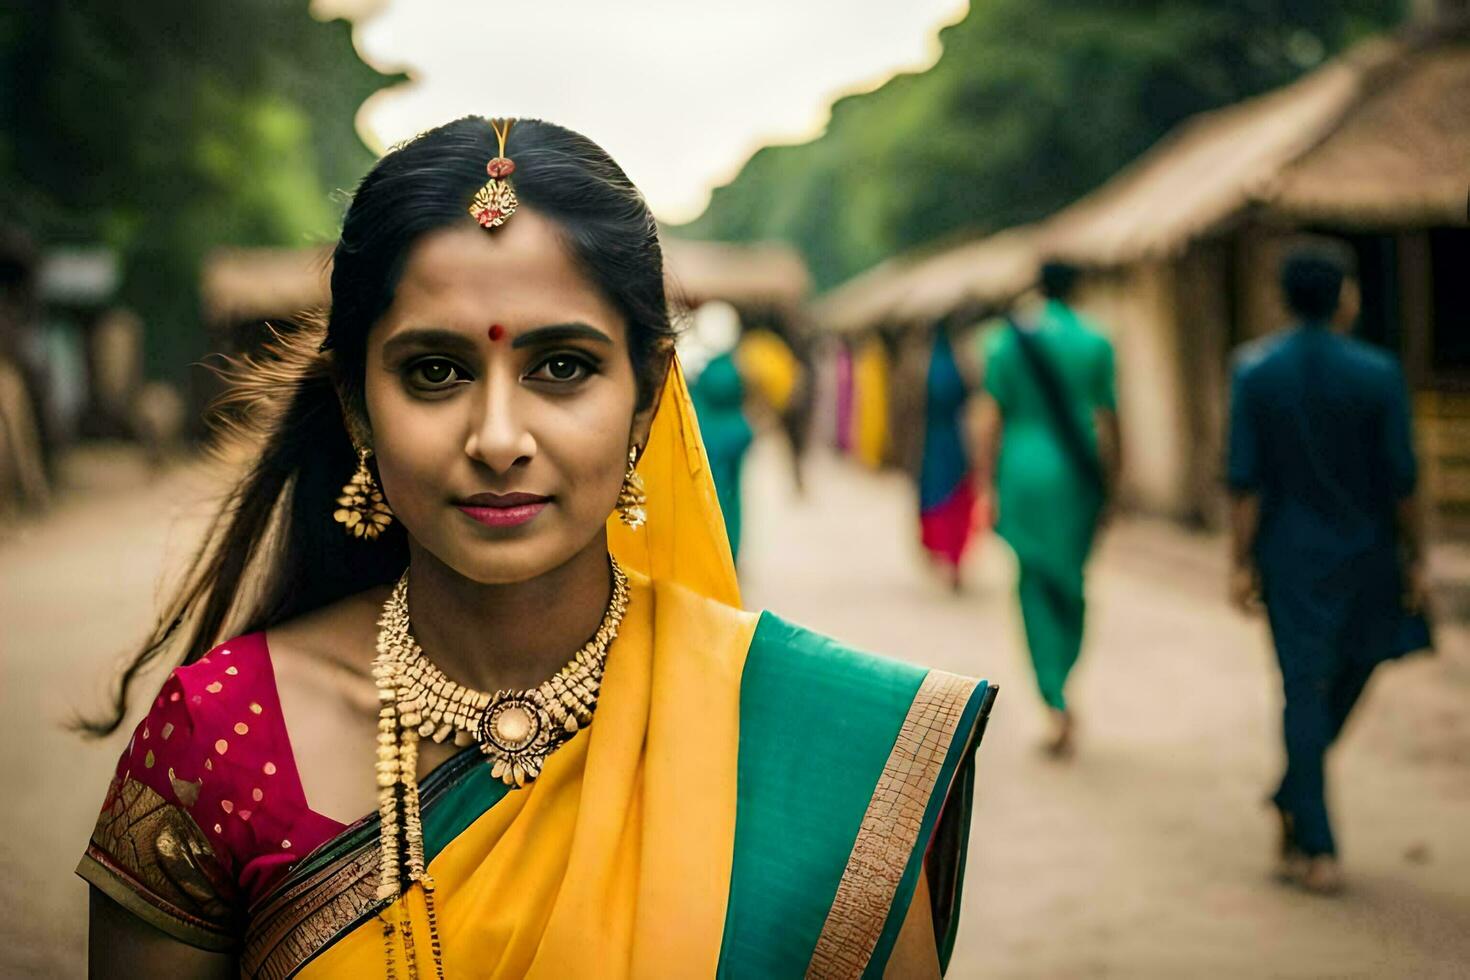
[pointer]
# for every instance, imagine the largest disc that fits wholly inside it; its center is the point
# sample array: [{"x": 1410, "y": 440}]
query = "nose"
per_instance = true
[{"x": 498, "y": 434}]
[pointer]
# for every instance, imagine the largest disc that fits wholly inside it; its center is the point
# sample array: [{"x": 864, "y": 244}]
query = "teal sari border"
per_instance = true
[
  {"x": 961, "y": 753},
  {"x": 818, "y": 724}
]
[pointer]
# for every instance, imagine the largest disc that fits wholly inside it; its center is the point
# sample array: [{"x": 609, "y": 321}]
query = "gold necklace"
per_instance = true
[{"x": 517, "y": 730}]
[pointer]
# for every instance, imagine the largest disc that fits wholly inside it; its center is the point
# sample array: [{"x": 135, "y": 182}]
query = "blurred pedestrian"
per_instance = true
[
  {"x": 1048, "y": 458},
  {"x": 24, "y": 476},
  {"x": 776, "y": 390},
  {"x": 846, "y": 399},
  {"x": 719, "y": 393},
  {"x": 946, "y": 479},
  {"x": 872, "y": 389},
  {"x": 1325, "y": 529}
]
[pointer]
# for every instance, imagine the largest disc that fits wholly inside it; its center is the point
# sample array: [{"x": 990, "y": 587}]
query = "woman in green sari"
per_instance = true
[
  {"x": 1048, "y": 458},
  {"x": 661, "y": 784}
]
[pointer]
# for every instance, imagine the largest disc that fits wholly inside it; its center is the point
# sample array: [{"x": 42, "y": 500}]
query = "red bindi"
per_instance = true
[{"x": 496, "y": 332}]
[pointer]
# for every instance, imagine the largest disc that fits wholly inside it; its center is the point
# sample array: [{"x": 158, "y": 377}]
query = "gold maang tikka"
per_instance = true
[
  {"x": 632, "y": 499},
  {"x": 495, "y": 202},
  {"x": 361, "y": 507}
]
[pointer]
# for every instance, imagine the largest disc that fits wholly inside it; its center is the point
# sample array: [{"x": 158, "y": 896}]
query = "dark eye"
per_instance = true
[
  {"x": 433, "y": 373},
  {"x": 562, "y": 368}
]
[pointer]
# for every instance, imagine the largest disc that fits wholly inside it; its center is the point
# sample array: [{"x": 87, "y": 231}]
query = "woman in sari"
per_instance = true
[
  {"x": 871, "y": 403},
  {"x": 662, "y": 785},
  {"x": 946, "y": 483},
  {"x": 719, "y": 396}
]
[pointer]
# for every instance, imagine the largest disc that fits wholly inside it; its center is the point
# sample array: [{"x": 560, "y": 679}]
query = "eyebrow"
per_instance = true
[
  {"x": 559, "y": 332},
  {"x": 429, "y": 337}
]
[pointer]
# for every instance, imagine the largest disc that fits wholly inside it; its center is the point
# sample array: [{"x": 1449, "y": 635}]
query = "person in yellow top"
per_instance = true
[
  {"x": 660, "y": 785},
  {"x": 870, "y": 380},
  {"x": 780, "y": 382},
  {"x": 767, "y": 361}
]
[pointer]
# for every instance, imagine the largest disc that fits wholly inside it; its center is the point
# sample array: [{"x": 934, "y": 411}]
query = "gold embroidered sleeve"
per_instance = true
[{"x": 150, "y": 857}]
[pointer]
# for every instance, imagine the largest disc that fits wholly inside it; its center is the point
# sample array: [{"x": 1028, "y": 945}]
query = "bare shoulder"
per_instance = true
[
  {"x": 323, "y": 669},
  {"x": 329, "y": 651},
  {"x": 342, "y": 634}
]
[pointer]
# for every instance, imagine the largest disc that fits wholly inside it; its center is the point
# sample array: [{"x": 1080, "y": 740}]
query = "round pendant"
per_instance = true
[
  {"x": 516, "y": 733},
  {"x": 511, "y": 725}
]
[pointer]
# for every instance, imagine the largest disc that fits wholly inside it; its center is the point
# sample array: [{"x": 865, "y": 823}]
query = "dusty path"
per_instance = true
[{"x": 1143, "y": 858}]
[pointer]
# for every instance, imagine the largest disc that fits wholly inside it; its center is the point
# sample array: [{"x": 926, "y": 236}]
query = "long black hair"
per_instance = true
[{"x": 273, "y": 550}]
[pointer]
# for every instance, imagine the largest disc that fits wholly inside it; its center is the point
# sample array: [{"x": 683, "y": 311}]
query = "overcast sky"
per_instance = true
[{"x": 680, "y": 92}]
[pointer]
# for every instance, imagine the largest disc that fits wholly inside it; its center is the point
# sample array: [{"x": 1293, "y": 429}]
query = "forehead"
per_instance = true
[{"x": 520, "y": 274}]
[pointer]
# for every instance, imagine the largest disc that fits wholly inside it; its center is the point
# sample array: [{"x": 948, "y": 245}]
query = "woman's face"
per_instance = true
[{"x": 501, "y": 400}]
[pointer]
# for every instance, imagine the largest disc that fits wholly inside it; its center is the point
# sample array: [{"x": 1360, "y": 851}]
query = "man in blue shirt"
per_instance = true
[{"x": 1325, "y": 529}]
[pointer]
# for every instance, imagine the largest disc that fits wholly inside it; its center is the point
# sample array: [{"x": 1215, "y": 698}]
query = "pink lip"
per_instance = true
[{"x": 503, "y": 509}]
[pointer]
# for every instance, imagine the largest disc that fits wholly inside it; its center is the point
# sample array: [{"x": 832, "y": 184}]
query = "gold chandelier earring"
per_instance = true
[
  {"x": 631, "y": 497},
  {"x": 362, "y": 507}
]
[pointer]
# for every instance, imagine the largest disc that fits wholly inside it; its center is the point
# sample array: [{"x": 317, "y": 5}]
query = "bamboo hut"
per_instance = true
[
  {"x": 763, "y": 280},
  {"x": 1181, "y": 250},
  {"x": 864, "y": 302},
  {"x": 1182, "y": 247},
  {"x": 243, "y": 289},
  {"x": 914, "y": 292}
]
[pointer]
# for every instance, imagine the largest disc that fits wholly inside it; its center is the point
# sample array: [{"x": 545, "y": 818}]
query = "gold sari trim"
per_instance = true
[
  {"x": 890, "y": 829},
  {"x": 150, "y": 857},
  {"x": 298, "y": 922}
]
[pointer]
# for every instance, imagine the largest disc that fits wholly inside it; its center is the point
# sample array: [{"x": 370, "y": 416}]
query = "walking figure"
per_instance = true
[
  {"x": 1322, "y": 476},
  {"x": 1048, "y": 461}
]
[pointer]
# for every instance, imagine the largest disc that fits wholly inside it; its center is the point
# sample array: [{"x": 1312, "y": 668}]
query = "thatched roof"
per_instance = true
[
  {"x": 1402, "y": 156},
  {"x": 864, "y": 300},
  {"x": 244, "y": 284},
  {"x": 989, "y": 272},
  {"x": 908, "y": 290},
  {"x": 1377, "y": 137},
  {"x": 765, "y": 274}
]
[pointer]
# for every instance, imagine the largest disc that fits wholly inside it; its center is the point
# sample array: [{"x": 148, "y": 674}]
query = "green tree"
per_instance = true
[
  {"x": 1032, "y": 104},
  {"x": 165, "y": 129}
]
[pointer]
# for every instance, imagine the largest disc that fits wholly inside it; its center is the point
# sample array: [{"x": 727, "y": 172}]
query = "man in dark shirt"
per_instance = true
[{"x": 1322, "y": 476}]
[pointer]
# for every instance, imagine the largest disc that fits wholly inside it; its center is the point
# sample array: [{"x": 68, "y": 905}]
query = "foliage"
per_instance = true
[
  {"x": 1032, "y": 104},
  {"x": 165, "y": 129}
]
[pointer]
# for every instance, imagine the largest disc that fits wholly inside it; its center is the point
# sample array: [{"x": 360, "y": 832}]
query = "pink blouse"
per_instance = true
[{"x": 213, "y": 752}]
